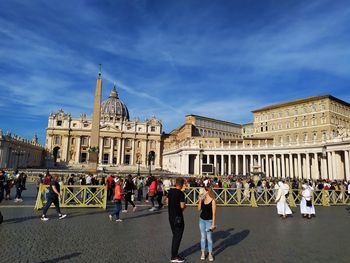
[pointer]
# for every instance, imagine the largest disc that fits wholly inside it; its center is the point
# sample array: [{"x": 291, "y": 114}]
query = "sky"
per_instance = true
[{"x": 220, "y": 59}]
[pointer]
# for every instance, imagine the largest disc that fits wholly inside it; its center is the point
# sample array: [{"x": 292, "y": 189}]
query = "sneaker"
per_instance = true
[
  {"x": 210, "y": 257},
  {"x": 177, "y": 259},
  {"x": 119, "y": 220},
  {"x": 134, "y": 209},
  {"x": 124, "y": 211},
  {"x": 110, "y": 217},
  {"x": 62, "y": 216},
  {"x": 20, "y": 200},
  {"x": 44, "y": 218},
  {"x": 203, "y": 256},
  {"x": 152, "y": 209},
  {"x": 16, "y": 200}
]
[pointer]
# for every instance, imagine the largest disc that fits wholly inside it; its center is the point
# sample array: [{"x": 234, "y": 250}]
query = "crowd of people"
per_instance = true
[{"x": 160, "y": 191}]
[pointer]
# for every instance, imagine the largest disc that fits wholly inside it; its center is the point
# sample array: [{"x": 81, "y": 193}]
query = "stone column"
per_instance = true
[
  {"x": 229, "y": 163},
  {"x": 111, "y": 151},
  {"x": 122, "y": 155},
  {"x": 283, "y": 166},
  {"x": 132, "y": 155},
  {"x": 275, "y": 166},
  {"x": 196, "y": 164},
  {"x": 237, "y": 159},
  {"x": 308, "y": 166},
  {"x": 324, "y": 168},
  {"x": 251, "y": 163},
  {"x": 291, "y": 174},
  {"x": 222, "y": 164},
  {"x": 259, "y": 162},
  {"x": 299, "y": 166},
  {"x": 77, "y": 151},
  {"x": 244, "y": 165},
  {"x": 317, "y": 172},
  {"x": 215, "y": 164},
  {"x": 267, "y": 166},
  {"x": 119, "y": 150},
  {"x": 100, "y": 147},
  {"x": 271, "y": 166},
  {"x": 334, "y": 166},
  {"x": 346, "y": 162},
  {"x": 279, "y": 167},
  {"x": 287, "y": 166},
  {"x": 330, "y": 165}
]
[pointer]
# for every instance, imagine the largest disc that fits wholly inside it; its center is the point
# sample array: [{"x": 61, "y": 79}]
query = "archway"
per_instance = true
[{"x": 56, "y": 154}]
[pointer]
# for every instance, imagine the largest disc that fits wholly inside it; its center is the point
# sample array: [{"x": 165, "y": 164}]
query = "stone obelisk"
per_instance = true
[{"x": 95, "y": 127}]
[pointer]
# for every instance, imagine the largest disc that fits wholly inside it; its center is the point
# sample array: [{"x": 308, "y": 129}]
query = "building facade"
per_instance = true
[
  {"x": 17, "y": 152},
  {"x": 271, "y": 146},
  {"x": 123, "y": 142},
  {"x": 310, "y": 120}
]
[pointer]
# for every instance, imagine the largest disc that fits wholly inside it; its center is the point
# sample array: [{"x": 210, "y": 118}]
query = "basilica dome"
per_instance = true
[{"x": 113, "y": 106}]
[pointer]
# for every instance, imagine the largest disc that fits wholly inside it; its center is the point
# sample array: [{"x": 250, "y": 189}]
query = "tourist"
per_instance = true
[
  {"x": 2, "y": 184},
  {"x": 8, "y": 186},
  {"x": 19, "y": 187},
  {"x": 307, "y": 209},
  {"x": 176, "y": 205},
  {"x": 53, "y": 196},
  {"x": 160, "y": 193},
  {"x": 207, "y": 219},
  {"x": 282, "y": 206},
  {"x": 152, "y": 192},
  {"x": 129, "y": 191},
  {"x": 110, "y": 186},
  {"x": 118, "y": 194},
  {"x": 139, "y": 183}
]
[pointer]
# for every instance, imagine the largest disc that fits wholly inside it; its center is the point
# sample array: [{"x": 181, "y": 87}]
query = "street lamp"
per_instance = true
[{"x": 150, "y": 160}]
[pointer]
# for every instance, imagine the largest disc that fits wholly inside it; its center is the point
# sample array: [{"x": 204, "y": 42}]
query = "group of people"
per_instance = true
[{"x": 8, "y": 181}]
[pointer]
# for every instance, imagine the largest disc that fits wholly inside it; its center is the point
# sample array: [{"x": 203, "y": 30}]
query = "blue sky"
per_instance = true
[{"x": 219, "y": 59}]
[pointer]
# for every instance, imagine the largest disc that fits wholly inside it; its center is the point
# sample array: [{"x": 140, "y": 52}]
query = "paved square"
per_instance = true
[{"x": 251, "y": 235}]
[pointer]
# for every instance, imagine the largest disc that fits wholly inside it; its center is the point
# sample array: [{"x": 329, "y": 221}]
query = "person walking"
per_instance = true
[
  {"x": 160, "y": 194},
  {"x": 176, "y": 205},
  {"x": 118, "y": 195},
  {"x": 282, "y": 206},
  {"x": 129, "y": 191},
  {"x": 152, "y": 190},
  {"x": 207, "y": 220},
  {"x": 307, "y": 209},
  {"x": 53, "y": 196},
  {"x": 19, "y": 187}
]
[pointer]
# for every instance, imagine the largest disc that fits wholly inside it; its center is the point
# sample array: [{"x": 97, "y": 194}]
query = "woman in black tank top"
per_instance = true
[{"x": 207, "y": 220}]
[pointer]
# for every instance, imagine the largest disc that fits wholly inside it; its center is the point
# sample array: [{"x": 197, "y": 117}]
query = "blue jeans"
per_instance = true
[
  {"x": 117, "y": 209},
  {"x": 206, "y": 235}
]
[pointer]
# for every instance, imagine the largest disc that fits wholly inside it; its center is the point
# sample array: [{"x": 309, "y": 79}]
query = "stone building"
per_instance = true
[
  {"x": 123, "y": 142},
  {"x": 310, "y": 120},
  {"x": 17, "y": 152},
  {"x": 306, "y": 138}
]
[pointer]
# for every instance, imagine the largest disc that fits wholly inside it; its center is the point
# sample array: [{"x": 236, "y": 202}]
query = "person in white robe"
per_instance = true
[
  {"x": 282, "y": 206},
  {"x": 307, "y": 208}
]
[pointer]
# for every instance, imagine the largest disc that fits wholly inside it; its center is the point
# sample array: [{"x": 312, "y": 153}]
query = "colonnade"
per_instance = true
[{"x": 307, "y": 164}]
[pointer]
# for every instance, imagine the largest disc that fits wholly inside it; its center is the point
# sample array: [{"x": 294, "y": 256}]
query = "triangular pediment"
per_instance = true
[{"x": 108, "y": 128}]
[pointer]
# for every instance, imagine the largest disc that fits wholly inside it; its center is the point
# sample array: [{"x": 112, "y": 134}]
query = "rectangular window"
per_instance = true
[{"x": 59, "y": 123}]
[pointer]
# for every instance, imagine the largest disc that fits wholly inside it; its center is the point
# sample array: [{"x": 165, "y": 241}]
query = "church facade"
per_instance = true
[{"x": 123, "y": 142}]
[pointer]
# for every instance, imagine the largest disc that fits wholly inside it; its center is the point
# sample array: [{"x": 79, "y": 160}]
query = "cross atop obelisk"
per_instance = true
[{"x": 95, "y": 127}]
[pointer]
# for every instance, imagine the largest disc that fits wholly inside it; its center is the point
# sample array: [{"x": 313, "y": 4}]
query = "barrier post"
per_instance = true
[
  {"x": 252, "y": 198},
  {"x": 325, "y": 198},
  {"x": 291, "y": 199}
]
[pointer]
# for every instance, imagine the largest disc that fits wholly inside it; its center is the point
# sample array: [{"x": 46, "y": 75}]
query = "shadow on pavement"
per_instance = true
[
  {"x": 66, "y": 257},
  {"x": 227, "y": 238}
]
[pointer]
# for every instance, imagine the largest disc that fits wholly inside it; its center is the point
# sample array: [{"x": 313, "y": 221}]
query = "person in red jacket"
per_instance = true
[{"x": 118, "y": 195}]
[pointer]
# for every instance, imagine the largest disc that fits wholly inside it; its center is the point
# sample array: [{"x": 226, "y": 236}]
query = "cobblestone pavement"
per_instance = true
[{"x": 244, "y": 235}]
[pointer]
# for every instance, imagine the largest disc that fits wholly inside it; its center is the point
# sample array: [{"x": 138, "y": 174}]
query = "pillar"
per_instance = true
[
  {"x": 267, "y": 166},
  {"x": 100, "y": 151},
  {"x": 244, "y": 165},
  {"x": 283, "y": 166},
  {"x": 236, "y": 168},
  {"x": 308, "y": 166},
  {"x": 330, "y": 165},
  {"x": 215, "y": 164},
  {"x": 291, "y": 174},
  {"x": 299, "y": 166},
  {"x": 111, "y": 151},
  {"x": 230, "y": 163},
  {"x": 274, "y": 165},
  {"x": 346, "y": 162},
  {"x": 334, "y": 166},
  {"x": 222, "y": 165},
  {"x": 279, "y": 167},
  {"x": 77, "y": 150}
]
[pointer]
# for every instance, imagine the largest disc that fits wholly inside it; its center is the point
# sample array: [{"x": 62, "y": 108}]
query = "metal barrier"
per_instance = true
[
  {"x": 76, "y": 196},
  {"x": 266, "y": 197}
]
